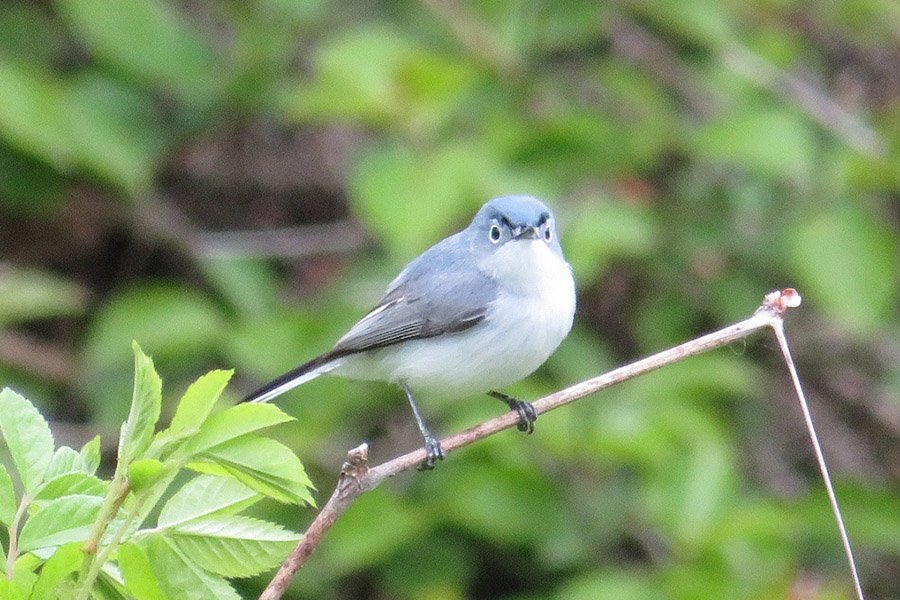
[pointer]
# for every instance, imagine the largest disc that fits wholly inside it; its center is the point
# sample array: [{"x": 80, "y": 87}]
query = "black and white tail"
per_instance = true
[{"x": 305, "y": 372}]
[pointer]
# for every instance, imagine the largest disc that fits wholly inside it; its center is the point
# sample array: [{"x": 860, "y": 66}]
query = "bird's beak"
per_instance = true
[{"x": 525, "y": 232}]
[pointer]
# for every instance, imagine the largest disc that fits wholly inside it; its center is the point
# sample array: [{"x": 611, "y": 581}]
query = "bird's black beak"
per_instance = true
[{"x": 525, "y": 232}]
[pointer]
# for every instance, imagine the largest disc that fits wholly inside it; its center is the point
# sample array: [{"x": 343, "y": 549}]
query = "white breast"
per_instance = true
[{"x": 531, "y": 315}]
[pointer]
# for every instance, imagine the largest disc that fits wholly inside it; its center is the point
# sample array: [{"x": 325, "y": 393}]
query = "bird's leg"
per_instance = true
[
  {"x": 433, "y": 450},
  {"x": 527, "y": 414}
]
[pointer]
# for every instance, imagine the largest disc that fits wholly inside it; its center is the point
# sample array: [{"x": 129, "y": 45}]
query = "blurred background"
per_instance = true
[{"x": 234, "y": 183}]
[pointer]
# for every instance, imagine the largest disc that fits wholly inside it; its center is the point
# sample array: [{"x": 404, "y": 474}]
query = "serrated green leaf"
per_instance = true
[
  {"x": 233, "y": 546},
  {"x": 27, "y": 436},
  {"x": 264, "y": 465},
  {"x": 90, "y": 454},
  {"x": 65, "y": 460},
  {"x": 8, "y": 502},
  {"x": 138, "y": 574},
  {"x": 198, "y": 402},
  {"x": 24, "y": 572},
  {"x": 9, "y": 590},
  {"x": 65, "y": 561},
  {"x": 234, "y": 422},
  {"x": 107, "y": 587},
  {"x": 64, "y": 520},
  {"x": 137, "y": 432},
  {"x": 204, "y": 496},
  {"x": 69, "y": 484},
  {"x": 180, "y": 577}
]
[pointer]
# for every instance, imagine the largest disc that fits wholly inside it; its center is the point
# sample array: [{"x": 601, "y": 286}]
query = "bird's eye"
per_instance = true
[
  {"x": 548, "y": 234},
  {"x": 495, "y": 234}
]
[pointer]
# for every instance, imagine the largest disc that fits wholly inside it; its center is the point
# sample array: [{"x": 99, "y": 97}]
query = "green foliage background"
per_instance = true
[{"x": 697, "y": 153}]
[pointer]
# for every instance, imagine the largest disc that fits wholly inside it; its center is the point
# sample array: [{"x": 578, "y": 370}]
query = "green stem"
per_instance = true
[
  {"x": 118, "y": 491},
  {"x": 13, "y": 553},
  {"x": 103, "y": 555}
]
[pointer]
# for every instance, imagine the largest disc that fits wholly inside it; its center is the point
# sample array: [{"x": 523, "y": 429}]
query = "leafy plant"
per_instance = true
[{"x": 73, "y": 534}]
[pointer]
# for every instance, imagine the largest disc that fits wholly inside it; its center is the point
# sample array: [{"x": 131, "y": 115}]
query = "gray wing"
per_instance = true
[{"x": 442, "y": 291}]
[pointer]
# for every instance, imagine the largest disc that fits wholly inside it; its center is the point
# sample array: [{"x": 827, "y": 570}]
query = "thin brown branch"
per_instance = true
[
  {"x": 37, "y": 358},
  {"x": 357, "y": 478},
  {"x": 284, "y": 242},
  {"x": 816, "y": 103}
]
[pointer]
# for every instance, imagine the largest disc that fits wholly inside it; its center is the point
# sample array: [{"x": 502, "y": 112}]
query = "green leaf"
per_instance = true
[
  {"x": 248, "y": 283},
  {"x": 205, "y": 496},
  {"x": 9, "y": 590},
  {"x": 198, "y": 402},
  {"x": 171, "y": 321},
  {"x": 264, "y": 465},
  {"x": 29, "y": 33},
  {"x": 69, "y": 484},
  {"x": 119, "y": 135},
  {"x": 90, "y": 454},
  {"x": 28, "y": 186},
  {"x": 65, "y": 460},
  {"x": 233, "y": 546},
  {"x": 64, "y": 520},
  {"x": 606, "y": 230},
  {"x": 138, "y": 573},
  {"x": 137, "y": 432},
  {"x": 847, "y": 262},
  {"x": 234, "y": 422},
  {"x": 29, "y": 294},
  {"x": 771, "y": 143},
  {"x": 28, "y": 438},
  {"x": 394, "y": 186},
  {"x": 33, "y": 116},
  {"x": 8, "y": 504},
  {"x": 146, "y": 38},
  {"x": 180, "y": 577},
  {"x": 65, "y": 561},
  {"x": 610, "y": 585}
]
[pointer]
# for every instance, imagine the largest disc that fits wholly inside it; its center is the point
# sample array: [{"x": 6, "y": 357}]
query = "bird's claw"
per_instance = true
[
  {"x": 433, "y": 453},
  {"x": 527, "y": 415}
]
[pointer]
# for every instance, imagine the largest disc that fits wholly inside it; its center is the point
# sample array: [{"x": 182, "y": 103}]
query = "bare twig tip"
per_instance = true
[
  {"x": 357, "y": 464},
  {"x": 781, "y": 300}
]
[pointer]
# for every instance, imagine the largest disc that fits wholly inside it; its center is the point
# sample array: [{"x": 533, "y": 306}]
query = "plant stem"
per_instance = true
[
  {"x": 102, "y": 556},
  {"x": 13, "y": 553},
  {"x": 357, "y": 478},
  {"x": 118, "y": 491}
]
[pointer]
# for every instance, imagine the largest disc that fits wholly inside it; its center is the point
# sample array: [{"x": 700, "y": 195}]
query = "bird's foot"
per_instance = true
[
  {"x": 527, "y": 414},
  {"x": 433, "y": 453}
]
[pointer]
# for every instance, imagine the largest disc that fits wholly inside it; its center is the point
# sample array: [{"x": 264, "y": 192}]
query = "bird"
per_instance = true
[{"x": 477, "y": 311}]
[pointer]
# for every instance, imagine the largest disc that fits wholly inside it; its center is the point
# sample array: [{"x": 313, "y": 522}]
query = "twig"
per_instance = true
[
  {"x": 38, "y": 358},
  {"x": 845, "y": 125},
  {"x": 284, "y": 242},
  {"x": 778, "y": 327},
  {"x": 475, "y": 36},
  {"x": 357, "y": 478}
]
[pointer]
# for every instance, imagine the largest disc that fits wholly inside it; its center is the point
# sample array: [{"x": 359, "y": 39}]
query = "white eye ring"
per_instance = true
[
  {"x": 548, "y": 234},
  {"x": 494, "y": 234}
]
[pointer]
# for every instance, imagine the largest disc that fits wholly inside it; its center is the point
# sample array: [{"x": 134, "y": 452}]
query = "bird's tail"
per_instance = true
[{"x": 305, "y": 372}]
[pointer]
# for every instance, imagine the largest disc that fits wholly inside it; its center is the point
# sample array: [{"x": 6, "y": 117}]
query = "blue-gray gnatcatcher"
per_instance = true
[{"x": 477, "y": 311}]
